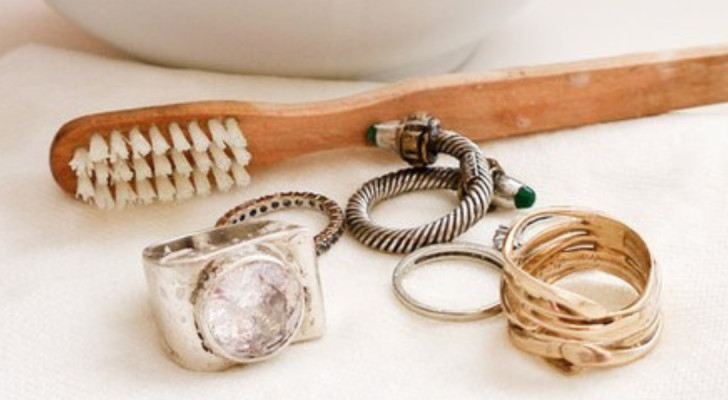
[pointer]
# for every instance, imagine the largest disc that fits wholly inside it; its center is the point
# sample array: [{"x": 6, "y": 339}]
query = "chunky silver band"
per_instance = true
[
  {"x": 286, "y": 200},
  {"x": 187, "y": 279},
  {"x": 489, "y": 257}
]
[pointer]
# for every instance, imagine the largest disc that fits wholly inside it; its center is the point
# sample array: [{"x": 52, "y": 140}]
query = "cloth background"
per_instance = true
[{"x": 75, "y": 322}]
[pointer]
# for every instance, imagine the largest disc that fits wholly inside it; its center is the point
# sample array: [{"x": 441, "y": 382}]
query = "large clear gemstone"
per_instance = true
[{"x": 253, "y": 309}]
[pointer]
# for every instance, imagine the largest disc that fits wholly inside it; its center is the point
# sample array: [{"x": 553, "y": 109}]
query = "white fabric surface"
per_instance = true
[{"x": 76, "y": 324}]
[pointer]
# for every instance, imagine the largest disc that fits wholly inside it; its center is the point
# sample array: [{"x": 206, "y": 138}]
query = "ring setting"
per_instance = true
[
  {"x": 248, "y": 309},
  {"x": 235, "y": 294},
  {"x": 243, "y": 291}
]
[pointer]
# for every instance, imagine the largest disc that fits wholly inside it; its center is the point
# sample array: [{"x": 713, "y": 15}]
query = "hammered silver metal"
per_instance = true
[
  {"x": 285, "y": 200},
  {"x": 179, "y": 272}
]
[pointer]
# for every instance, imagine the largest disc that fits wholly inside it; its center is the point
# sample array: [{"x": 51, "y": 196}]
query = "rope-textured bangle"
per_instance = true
[
  {"x": 477, "y": 193},
  {"x": 418, "y": 140}
]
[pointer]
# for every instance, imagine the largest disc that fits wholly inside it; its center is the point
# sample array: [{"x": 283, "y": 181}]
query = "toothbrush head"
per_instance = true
[{"x": 118, "y": 163}]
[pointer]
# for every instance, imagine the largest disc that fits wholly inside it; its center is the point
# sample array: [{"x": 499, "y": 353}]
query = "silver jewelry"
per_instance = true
[
  {"x": 480, "y": 182},
  {"x": 240, "y": 293},
  {"x": 286, "y": 200},
  {"x": 446, "y": 251}
]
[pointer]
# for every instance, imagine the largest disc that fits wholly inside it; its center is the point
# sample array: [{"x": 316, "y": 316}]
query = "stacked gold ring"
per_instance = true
[{"x": 568, "y": 330}]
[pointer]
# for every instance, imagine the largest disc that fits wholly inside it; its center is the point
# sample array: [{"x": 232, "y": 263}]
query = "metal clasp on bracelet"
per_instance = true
[{"x": 411, "y": 138}]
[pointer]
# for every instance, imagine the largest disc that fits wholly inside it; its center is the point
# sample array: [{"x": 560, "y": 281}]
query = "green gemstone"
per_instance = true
[
  {"x": 372, "y": 135},
  {"x": 525, "y": 197}
]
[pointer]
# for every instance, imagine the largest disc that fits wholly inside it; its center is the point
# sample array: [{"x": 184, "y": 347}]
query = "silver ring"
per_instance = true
[
  {"x": 286, "y": 200},
  {"x": 488, "y": 257},
  {"x": 235, "y": 294}
]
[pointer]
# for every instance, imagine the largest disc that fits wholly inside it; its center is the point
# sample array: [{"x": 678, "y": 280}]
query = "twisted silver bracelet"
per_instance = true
[{"x": 418, "y": 140}]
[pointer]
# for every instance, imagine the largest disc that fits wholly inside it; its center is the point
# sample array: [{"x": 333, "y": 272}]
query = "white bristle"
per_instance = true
[
  {"x": 145, "y": 191},
  {"x": 118, "y": 149},
  {"x": 222, "y": 179},
  {"x": 202, "y": 184},
  {"x": 235, "y": 135},
  {"x": 183, "y": 186},
  {"x": 101, "y": 172},
  {"x": 142, "y": 170},
  {"x": 202, "y": 161},
  {"x": 179, "y": 141},
  {"x": 199, "y": 140},
  {"x": 165, "y": 189},
  {"x": 98, "y": 148},
  {"x": 140, "y": 147},
  {"x": 120, "y": 171},
  {"x": 124, "y": 194},
  {"x": 241, "y": 155},
  {"x": 241, "y": 177},
  {"x": 102, "y": 197},
  {"x": 219, "y": 134},
  {"x": 159, "y": 143},
  {"x": 84, "y": 188},
  {"x": 80, "y": 163},
  {"x": 181, "y": 165},
  {"x": 219, "y": 157},
  {"x": 162, "y": 166}
]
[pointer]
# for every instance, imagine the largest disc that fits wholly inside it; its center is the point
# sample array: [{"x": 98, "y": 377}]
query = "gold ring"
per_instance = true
[{"x": 568, "y": 330}]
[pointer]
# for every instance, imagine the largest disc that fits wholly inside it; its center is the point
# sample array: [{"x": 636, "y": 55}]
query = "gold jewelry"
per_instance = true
[{"x": 568, "y": 330}]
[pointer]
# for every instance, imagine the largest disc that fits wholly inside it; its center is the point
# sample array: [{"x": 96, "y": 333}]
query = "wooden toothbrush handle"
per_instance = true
[
  {"x": 508, "y": 102},
  {"x": 482, "y": 106}
]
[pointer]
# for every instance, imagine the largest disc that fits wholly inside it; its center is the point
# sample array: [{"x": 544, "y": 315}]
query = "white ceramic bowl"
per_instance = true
[{"x": 316, "y": 38}]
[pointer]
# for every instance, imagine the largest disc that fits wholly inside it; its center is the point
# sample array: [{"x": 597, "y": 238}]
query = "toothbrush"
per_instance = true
[{"x": 174, "y": 152}]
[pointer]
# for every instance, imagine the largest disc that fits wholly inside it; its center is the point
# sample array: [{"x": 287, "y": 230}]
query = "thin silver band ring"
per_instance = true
[{"x": 447, "y": 251}]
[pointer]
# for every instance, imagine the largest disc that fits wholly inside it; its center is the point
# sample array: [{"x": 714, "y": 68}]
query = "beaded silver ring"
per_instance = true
[{"x": 286, "y": 200}]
